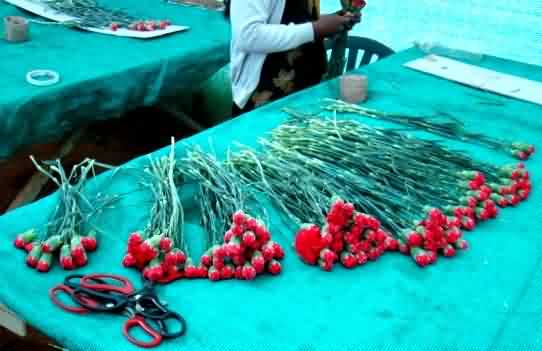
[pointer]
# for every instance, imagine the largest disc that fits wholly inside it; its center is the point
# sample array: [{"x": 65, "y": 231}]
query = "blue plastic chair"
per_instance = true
[{"x": 369, "y": 47}]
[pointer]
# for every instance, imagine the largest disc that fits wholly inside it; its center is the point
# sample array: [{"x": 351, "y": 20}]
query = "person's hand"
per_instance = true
[
  {"x": 355, "y": 18},
  {"x": 329, "y": 25}
]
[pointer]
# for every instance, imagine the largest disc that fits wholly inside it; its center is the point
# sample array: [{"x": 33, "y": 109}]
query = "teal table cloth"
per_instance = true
[
  {"x": 102, "y": 76},
  {"x": 487, "y": 298}
]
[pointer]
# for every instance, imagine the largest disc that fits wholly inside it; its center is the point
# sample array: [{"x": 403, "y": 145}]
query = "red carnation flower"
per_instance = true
[
  {"x": 206, "y": 260},
  {"x": 237, "y": 230},
  {"x": 325, "y": 265},
  {"x": 361, "y": 257},
  {"x": 251, "y": 224},
  {"x": 227, "y": 272},
  {"x": 181, "y": 257},
  {"x": 166, "y": 244},
  {"x": 239, "y": 218},
  {"x": 214, "y": 274},
  {"x": 274, "y": 267},
  {"x": 258, "y": 262},
  {"x": 348, "y": 260},
  {"x": 309, "y": 243},
  {"x": 249, "y": 238},
  {"x": 278, "y": 251},
  {"x": 249, "y": 272},
  {"x": 128, "y": 260},
  {"x": 135, "y": 239},
  {"x": 449, "y": 251},
  {"x": 414, "y": 239},
  {"x": 328, "y": 256},
  {"x": 391, "y": 244}
]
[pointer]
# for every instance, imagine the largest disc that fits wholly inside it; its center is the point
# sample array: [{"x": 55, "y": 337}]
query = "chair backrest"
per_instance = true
[{"x": 369, "y": 47}]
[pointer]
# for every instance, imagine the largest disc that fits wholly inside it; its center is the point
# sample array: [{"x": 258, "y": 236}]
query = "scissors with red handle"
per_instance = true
[{"x": 115, "y": 294}]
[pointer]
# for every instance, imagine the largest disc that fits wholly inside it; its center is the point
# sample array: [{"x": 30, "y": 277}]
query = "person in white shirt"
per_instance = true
[{"x": 277, "y": 48}]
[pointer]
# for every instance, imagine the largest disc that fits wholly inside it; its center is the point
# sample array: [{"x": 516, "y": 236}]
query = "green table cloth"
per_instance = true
[
  {"x": 487, "y": 298},
  {"x": 101, "y": 75}
]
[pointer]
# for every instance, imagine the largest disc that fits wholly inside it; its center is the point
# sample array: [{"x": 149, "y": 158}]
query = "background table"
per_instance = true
[
  {"x": 102, "y": 76},
  {"x": 487, "y": 298}
]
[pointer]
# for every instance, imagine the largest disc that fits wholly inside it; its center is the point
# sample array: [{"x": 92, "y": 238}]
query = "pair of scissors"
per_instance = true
[{"x": 115, "y": 294}]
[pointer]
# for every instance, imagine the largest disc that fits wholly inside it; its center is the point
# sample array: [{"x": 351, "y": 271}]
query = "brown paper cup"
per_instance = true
[
  {"x": 353, "y": 88},
  {"x": 16, "y": 29}
]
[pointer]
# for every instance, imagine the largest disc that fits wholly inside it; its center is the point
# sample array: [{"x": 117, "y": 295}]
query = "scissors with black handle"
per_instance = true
[{"x": 115, "y": 294}]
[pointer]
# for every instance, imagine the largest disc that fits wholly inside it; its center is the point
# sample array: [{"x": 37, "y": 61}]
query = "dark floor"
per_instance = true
[{"x": 113, "y": 142}]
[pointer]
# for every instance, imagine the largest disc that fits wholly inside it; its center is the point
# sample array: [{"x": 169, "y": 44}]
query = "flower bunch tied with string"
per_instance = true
[
  {"x": 238, "y": 245},
  {"x": 159, "y": 250},
  {"x": 63, "y": 234},
  {"x": 349, "y": 237},
  {"x": 353, "y": 6}
]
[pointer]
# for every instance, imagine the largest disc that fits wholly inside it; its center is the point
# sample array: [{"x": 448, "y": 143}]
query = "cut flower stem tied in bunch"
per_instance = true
[
  {"x": 90, "y": 14},
  {"x": 340, "y": 41},
  {"x": 421, "y": 194},
  {"x": 159, "y": 250},
  {"x": 64, "y": 234},
  {"x": 238, "y": 245},
  {"x": 447, "y": 127}
]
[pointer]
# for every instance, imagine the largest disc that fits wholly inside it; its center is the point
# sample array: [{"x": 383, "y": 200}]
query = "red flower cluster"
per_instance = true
[
  {"x": 514, "y": 186},
  {"x": 522, "y": 150},
  {"x": 246, "y": 252},
  {"x": 155, "y": 256},
  {"x": 72, "y": 251},
  {"x": 437, "y": 233},
  {"x": 142, "y": 26},
  {"x": 348, "y": 236}
]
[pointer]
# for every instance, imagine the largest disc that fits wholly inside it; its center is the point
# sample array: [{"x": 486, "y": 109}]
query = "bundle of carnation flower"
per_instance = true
[
  {"x": 238, "y": 245},
  {"x": 63, "y": 234}
]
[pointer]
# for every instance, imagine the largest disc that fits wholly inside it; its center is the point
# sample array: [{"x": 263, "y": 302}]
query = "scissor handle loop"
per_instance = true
[{"x": 139, "y": 322}]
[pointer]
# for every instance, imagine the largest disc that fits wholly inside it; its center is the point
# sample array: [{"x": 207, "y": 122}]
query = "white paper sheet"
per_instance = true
[
  {"x": 481, "y": 78},
  {"x": 43, "y": 10}
]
